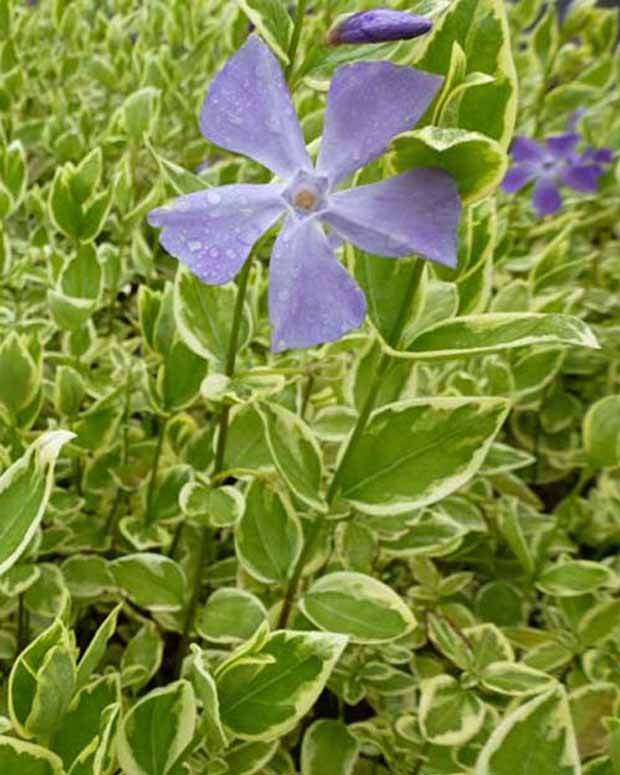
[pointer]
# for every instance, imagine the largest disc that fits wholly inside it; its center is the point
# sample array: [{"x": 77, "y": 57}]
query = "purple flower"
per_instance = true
[
  {"x": 382, "y": 24},
  {"x": 248, "y": 110},
  {"x": 550, "y": 164}
]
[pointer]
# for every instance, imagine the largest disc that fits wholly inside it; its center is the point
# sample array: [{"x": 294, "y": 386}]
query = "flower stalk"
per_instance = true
[
  {"x": 229, "y": 370},
  {"x": 360, "y": 426}
]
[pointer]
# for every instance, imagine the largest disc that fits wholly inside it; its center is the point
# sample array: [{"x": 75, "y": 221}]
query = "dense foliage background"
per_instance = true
[{"x": 449, "y": 602}]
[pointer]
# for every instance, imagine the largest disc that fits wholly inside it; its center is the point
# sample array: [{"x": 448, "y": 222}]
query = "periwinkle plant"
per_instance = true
[{"x": 322, "y": 476}]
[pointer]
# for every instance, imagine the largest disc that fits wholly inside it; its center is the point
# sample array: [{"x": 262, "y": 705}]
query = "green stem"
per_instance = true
[
  {"x": 305, "y": 398},
  {"x": 294, "y": 44},
  {"x": 360, "y": 426},
  {"x": 421, "y": 760},
  {"x": 229, "y": 370},
  {"x": 150, "y": 495},
  {"x": 22, "y": 624}
]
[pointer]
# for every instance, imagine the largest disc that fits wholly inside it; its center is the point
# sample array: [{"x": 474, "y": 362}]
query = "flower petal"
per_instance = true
[
  {"x": 597, "y": 156},
  {"x": 583, "y": 177},
  {"x": 312, "y": 297},
  {"x": 518, "y": 176},
  {"x": 249, "y": 110},
  {"x": 546, "y": 199},
  {"x": 213, "y": 231},
  {"x": 368, "y": 103},
  {"x": 563, "y": 146},
  {"x": 524, "y": 149},
  {"x": 417, "y": 212}
]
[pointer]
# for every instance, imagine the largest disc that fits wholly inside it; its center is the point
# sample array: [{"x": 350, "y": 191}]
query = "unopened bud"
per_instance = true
[{"x": 382, "y": 24}]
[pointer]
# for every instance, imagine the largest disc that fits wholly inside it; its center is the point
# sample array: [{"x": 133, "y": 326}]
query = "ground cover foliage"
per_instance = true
[{"x": 393, "y": 553}]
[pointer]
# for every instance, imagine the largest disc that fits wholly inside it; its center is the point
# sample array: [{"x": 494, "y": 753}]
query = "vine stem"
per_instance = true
[
  {"x": 150, "y": 494},
  {"x": 205, "y": 538},
  {"x": 295, "y": 37},
  {"x": 358, "y": 430},
  {"x": 23, "y": 624}
]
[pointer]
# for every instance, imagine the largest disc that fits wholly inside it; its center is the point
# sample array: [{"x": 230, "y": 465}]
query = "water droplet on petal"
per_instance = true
[{"x": 213, "y": 197}]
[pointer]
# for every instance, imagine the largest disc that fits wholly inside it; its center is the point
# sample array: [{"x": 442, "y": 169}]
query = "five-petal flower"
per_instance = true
[
  {"x": 550, "y": 164},
  {"x": 248, "y": 110}
]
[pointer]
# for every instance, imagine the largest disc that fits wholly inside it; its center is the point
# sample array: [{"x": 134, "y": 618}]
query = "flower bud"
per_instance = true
[{"x": 382, "y": 24}]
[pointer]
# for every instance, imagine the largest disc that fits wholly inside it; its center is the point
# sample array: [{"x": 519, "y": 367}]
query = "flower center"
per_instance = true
[
  {"x": 305, "y": 199},
  {"x": 306, "y": 193}
]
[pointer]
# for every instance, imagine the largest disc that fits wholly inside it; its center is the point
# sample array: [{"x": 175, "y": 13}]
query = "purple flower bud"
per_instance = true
[{"x": 382, "y": 24}]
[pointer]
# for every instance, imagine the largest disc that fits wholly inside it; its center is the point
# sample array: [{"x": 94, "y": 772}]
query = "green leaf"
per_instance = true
[
  {"x": 387, "y": 286},
  {"x": 359, "y": 606},
  {"x": 600, "y": 623},
  {"x": 295, "y": 453},
  {"x": 432, "y": 534},
  {"x": 87, "y": 175},
  {"x": 601, "y": 432},
  {"x": 515, "y": 680},
  {"x": 81, "y": 725},
  {"x": 204, "y": 314},
  {"x": 20, "y": 758},
  {"x": 217, "y": 506},
  {"x": 250, "y": 757},
  {"x": 230, "y": 616},
  {"x": 66, "y": 213},
  {"x": 536, "y": 737},
  {"x": 590, "y": 705},
  {"x": 180, "y": 377},
  {"x": 157, "y": 731},
  {"x": 477, "y": 334},
  {"x": 41, "y": 683},
  {"x": 481, "y": 29},
  {"x": 151, "y": 580},
  {"x": 575, "y": 577},
  {"x": 97, "y": 647},
  {"x": 140, "y": 112},
  {"x": 449, "y": 714},
  {"x": 272, "y": 20},
  {"x": 142, "y": 657},
  {"x": 328, "y": 748},
  {"x": 14, "y": 173},
  {"x": 206, "y": 691},
  {"x": 69, "y": 391},
  {"x": 428, "y": 449},
  {"x": 450, "y": 641},
  {"x": 266, "y": 700},
  {"x": 268, "y": 537},
  {"x": 25, "y": 489},
  {"x": 247, "y": 446},
  {"x": 19, "y": 375},
  {"x": 476, "y": 162}
]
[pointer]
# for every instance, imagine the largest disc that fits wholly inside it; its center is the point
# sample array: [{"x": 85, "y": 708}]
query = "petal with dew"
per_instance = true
[
  {"x": 367, "y": 105},
  {"x": 546, "y": 198},
  {"x": 417, "y": 212},
  {"x": 249, "y": 110},
  {"x": 518, "y": 176},
  {"x": 525, "y": 150},
  {"x": 312, "y": 297},
  {"x": 563, "y": 146},
  {"x": 583, "y": 177},
  {"x": 213, "y": 231}
]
